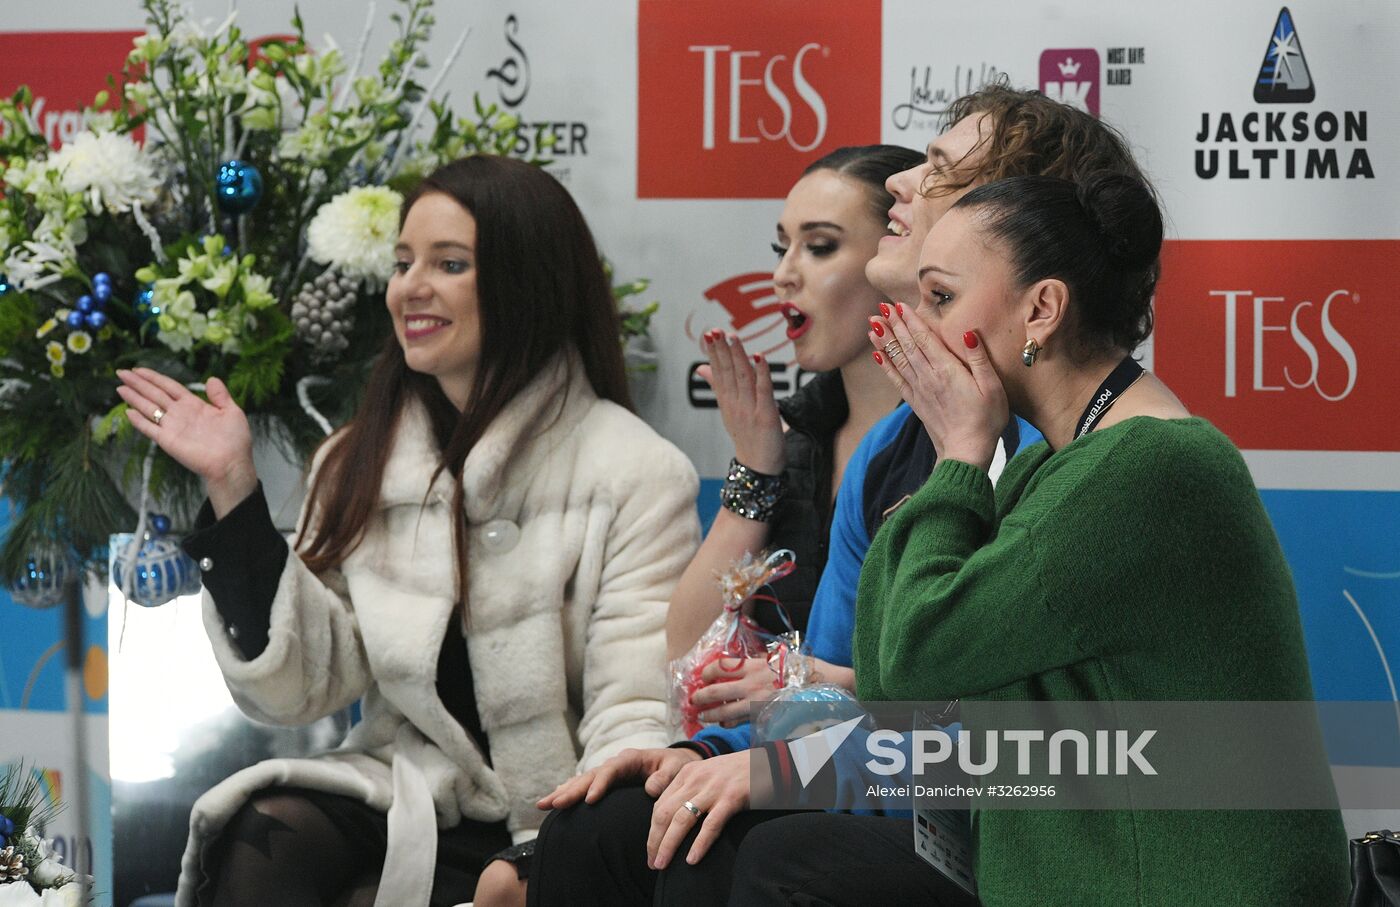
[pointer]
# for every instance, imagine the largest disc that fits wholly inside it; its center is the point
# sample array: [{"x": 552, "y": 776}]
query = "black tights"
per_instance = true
[
  {"x": 595, "y": 854},
  {"x": 281, "y": 848}
]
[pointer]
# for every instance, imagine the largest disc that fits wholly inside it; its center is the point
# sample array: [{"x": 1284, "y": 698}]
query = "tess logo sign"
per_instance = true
[
  {"x": 64, "y": 69},
  {"x": 1285, "y": 345},
  {"x": 735, "y": 98}
]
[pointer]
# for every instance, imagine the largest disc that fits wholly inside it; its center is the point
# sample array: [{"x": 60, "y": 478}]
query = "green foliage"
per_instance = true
[{"x": 221, "y": 285}]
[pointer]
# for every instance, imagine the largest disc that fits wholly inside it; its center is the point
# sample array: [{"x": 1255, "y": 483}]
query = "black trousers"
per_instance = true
[{"x": 596, "y": 855}]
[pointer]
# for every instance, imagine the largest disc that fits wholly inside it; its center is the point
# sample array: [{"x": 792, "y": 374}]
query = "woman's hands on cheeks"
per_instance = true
[
  {"x": 210, "y": 439},
  {"x": 743, "y": 389},
  {"x": 960, "y": 400},
  {"x": 730, "y": 687}
]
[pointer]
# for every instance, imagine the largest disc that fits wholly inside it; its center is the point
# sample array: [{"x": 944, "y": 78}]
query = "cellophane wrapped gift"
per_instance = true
[{"x": 734, "y": 636}]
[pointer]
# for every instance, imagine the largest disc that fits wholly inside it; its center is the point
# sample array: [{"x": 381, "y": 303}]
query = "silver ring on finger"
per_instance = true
[
  {"x": 157, "y": 415},
  {"x": 692, "y": 809}
]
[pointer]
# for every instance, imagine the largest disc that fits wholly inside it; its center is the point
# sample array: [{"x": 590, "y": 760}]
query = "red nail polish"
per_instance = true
[
  {"x": 970, "y": 339},
  {"x": 899, "y": 307},
  {"x": 875, "y": 326},
  {"x": 757, "y": 359},
  {"x": 879, "y": 360},
  {"x": 884, "y": 309}
]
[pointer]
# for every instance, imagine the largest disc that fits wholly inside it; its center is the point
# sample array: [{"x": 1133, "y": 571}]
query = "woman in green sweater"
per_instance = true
[{"x": 1127, "y": 557}]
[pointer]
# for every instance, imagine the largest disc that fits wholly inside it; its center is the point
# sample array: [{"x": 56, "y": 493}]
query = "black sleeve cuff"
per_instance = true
[
  {"x": 241, "y": 558},
  {"x": 788, "y": 790},
  {"x": 695, "y": 746}
]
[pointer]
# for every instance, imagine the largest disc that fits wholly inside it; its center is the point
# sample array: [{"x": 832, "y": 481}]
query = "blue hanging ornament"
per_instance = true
[
  {"x": 85, "y": 303},
  {"x": 238, "y": 187},
  {"x": 161, "y": 572},
  {"x": 102, "y": 278},
  {"x": 143, "y": 303},
  {"x": 40, "y": 582},
  {"x": 146, "y": 313},
  {"x": 77, "y": 319},
  {"x": 96, "y": 320},
  {"x": 160, "y": 523},
  {"x": 5, "y": 285},
  {"x": 101, "y": 293}
]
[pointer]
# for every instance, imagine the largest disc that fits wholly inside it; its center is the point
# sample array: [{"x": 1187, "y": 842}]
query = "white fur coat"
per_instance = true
[{"x": 581, "y": 521}]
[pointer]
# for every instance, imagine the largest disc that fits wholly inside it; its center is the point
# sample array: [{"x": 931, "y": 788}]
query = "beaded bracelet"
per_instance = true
[{"x": 752, "y": 495}]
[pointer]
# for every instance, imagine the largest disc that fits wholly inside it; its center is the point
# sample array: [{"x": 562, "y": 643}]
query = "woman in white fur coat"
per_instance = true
[{"x": 484, "y": 562}]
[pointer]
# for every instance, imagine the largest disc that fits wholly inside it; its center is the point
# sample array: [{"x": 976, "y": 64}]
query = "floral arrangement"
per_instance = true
[
  {"x": 30, "y": 872},
  {"x": 228, "y": 209}
]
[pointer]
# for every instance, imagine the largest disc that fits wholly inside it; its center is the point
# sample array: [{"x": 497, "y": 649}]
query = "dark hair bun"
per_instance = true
[
  {"x": 1100, "y": 234},
  {"x": 1125, "y": 214}
]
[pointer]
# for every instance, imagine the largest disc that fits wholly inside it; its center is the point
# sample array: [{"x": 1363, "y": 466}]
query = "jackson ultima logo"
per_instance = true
[
  {"x": 1286, "y": 345},
  {"x": 735, "y": 98},
  {"x": 1283, "y": 76},
  {"x": 64, "y": 70},
  {"x": 1274, "y": 143},
  {"x": 748, "y": 306}
]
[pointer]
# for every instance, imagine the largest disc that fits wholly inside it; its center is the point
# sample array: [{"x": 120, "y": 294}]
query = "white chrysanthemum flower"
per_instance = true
[
  {"x": 79, "y": 342},
  {"x": 56, "y": 353},
  {"x": 106, "y": 168},
  {"x": 35, "y": 264},
  {"x": 355, "y": 232}
]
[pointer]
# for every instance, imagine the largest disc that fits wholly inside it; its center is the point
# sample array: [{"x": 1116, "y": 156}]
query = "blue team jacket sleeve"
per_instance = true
[{"x": 832, "y": 621}]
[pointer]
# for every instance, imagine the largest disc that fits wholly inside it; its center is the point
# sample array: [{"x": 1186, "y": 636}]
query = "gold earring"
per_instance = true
[{"x": 1028, "y": 352}]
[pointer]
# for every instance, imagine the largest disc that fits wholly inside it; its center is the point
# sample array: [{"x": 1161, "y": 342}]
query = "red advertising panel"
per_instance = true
[
  {"x": 734, "y": 97},
  {"x": 1284, "y": 344},
  {"x": 64, "y": 70}
]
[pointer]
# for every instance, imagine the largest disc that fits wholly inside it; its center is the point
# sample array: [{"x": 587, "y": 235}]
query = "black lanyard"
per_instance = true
[{"x": 1118, "y": 381}]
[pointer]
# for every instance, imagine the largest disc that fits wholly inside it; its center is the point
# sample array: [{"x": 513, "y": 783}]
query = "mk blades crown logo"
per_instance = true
[{"x": 1284, "y": 77}]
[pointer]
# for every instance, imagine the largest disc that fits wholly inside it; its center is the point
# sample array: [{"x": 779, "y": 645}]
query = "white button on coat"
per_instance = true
[{"x": 500, "y": 536}]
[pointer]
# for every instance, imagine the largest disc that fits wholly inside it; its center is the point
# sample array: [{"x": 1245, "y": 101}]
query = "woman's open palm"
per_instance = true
[{"x": 211, "y": 439}]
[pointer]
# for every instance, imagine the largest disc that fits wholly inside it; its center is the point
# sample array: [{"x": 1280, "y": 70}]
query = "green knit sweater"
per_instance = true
[{"x": 1136, "y": 563}]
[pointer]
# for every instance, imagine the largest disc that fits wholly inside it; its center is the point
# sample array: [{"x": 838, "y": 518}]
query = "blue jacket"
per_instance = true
[{"x": 893, "y": 461}]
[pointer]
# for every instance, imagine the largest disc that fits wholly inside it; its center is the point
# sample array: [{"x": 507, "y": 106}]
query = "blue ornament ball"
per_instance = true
[
  {"x": 101, "y": 278},
  {"x": 85, "y": 303},
  {"x": 238, "y": 186},
  {"x": 5, "y": 285},
  {"x": 798, "y": 711},
  {"x": 101, "y": 292},
  {"x": 77, "y": 319},
  {"x": 40, "y": 582},
  {"x": 96, "y": 320},
  {"x": 160, "y": 523},
  {"x": 162, "y": 571},
  {"x": 146, "y": 313}
]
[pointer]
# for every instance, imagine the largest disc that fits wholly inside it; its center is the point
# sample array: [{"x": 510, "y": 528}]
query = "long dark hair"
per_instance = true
[{"x": 541, "y": 291}]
